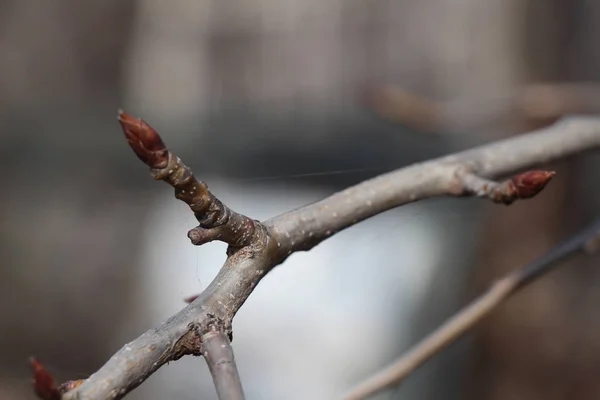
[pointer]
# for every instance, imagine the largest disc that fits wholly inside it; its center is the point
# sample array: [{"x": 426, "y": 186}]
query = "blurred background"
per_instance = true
[{"x": 275, "y": 104}]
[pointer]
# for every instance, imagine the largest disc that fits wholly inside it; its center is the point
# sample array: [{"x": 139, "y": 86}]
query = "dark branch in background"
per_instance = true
[
  {"x": 586, "y": 242},
  {"x": 221, "y": 362},
  {"x": 541, "y": 102},
  {"x": 255, "y": 248}
]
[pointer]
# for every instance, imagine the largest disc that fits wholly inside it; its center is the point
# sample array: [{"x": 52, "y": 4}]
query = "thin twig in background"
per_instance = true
[
  {"x": 255, "y": 248},
  {"x": 469, "y": 316}
]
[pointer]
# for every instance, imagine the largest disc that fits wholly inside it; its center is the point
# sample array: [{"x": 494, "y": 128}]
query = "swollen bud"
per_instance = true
[
  {"x": 530, "y": 183},
  {"x": 144, "y": 140},
  {"x": 43, "y": 383}
]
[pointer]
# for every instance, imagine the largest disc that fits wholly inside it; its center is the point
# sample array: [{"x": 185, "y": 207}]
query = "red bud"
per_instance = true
[
  {"x": 144, "y": 140},
  {"x": 43, "y": 383},
  {"x": 530, "y": 183}
]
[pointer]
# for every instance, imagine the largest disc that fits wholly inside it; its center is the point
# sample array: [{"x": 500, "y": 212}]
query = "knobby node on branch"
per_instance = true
[{"x": 203, "y": 327}]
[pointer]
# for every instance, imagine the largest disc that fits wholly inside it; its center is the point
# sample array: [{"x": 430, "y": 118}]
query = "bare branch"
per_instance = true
[
  {"x": 218, "y": 354},
  {"x": 272, "y": 242},
  {"x": 304, "y": 228},
  {"x": 587, "y": 241}
]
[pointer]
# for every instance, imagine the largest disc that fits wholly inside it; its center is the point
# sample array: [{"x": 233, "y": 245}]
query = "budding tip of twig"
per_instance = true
[
  {"x": 43, "y": 383},
  {"x": 144, "y": 140},
  {"x": 530, "y": 183}
]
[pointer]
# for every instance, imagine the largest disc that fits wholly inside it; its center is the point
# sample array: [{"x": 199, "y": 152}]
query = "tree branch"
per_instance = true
[
  {"x": 304, "y": 228},
  {"x": 260, "y": 247},
  {"x": 535, "y": 102},
  {"x": 221, "y": 362},
  {"x": 587, "y": 241},
  {"x": 217, "y": 221}
]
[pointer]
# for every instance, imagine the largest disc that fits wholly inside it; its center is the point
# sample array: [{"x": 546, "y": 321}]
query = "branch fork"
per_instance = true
[{"x": 203, "y": 327}]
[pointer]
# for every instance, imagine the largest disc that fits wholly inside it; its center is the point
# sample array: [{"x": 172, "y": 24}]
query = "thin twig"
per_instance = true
[
  {"x": 468, "y": 317},
  {"x": 276, "y": 239},
  {"x": 217, "y": 221},
  {"x": 219, "y": 356}
]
